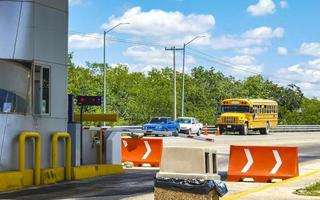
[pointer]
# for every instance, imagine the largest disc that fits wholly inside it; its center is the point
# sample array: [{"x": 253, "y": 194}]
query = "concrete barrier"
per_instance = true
[
  {"x": 188, "y": 163},
  {"x": 262, "y": 163}
]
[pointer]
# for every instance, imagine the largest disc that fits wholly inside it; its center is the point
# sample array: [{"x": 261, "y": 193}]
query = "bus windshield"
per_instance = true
[{"x": 240, "y": 109}]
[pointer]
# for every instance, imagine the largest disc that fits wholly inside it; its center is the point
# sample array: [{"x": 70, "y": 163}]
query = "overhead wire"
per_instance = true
[{"x": 194, "y": 52}]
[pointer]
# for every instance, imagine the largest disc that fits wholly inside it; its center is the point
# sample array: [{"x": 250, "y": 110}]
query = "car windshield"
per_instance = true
[
  {"x": 158, "y": 120},
  {"x": 240, "y": 109},
  {"x": 184, "y": 120}
]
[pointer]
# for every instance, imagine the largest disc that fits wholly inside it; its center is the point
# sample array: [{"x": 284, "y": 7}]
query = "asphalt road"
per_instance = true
[{"x": 138, "y": 182}]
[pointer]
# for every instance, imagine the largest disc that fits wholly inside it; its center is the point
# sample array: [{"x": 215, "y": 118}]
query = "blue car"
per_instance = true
[{"x": 162, "y": 124}]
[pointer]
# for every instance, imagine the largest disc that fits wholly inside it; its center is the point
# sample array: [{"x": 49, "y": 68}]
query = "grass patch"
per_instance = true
[{"x": 312, "y": 190}]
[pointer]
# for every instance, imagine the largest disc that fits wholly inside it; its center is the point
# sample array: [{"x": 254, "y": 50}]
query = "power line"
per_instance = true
[
  {"x": 194, "y": 52},
  {"x": 225, "y": 64}
]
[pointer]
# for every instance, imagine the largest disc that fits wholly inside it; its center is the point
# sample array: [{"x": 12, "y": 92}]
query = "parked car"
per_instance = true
[
  {"x": 190, "y": 125},
  {"x": 162, "y": 124}
]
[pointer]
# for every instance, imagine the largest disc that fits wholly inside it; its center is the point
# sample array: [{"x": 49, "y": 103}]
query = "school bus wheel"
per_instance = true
[
  {"x": 266, "y": 130},
  {"x": 244, "y": 129}
]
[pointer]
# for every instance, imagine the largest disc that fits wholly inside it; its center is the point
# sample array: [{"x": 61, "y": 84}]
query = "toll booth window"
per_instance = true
[
  {"x": 45, "y": 90},
  {"x": 14, "y": 87},
  {"x": 41, "y": 90}
]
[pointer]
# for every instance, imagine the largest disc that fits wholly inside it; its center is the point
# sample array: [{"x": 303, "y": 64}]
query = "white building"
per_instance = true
[{"x": 33, "y": 75}]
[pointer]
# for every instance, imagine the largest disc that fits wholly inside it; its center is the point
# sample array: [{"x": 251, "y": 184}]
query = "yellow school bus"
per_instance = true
[{"x": 247, "y": 114}]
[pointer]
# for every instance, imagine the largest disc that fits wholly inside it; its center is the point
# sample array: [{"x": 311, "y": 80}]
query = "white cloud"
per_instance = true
[
  {"x": 252, "y": 50},
  {"x": 282, "y": 51},
  {"x": 243, "y": 64},
  {"x": 305, "y": 75},
  {"x": 263, "y": 33},
  {"x": 311, "y": 49},
  {"x": 86, "y": 41},
  {"x": 148, "y": 55},
  {"x": 283, "y": 4},
  {"x": 263, "y": 7},
  {"x": 253, "y": 37},
  {"x": 161, "y": 25}
]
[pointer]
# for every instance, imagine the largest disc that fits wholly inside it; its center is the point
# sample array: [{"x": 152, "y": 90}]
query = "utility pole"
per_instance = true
[{"x": 174, "y": 80}]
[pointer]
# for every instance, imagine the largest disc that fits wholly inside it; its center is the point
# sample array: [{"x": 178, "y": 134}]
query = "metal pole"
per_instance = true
[
  {"x": 105, "y": 68},
  {"x": 104, "y": 74},
  {"x": 81, "y": 134},
  {"x": 182, "y": 93},
  {"x": 174, "y": 80},
  {"x": 174, "y": 85}
]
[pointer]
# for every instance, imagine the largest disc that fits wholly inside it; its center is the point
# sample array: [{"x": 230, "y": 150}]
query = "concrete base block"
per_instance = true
[{"x": 163, "y": 194}]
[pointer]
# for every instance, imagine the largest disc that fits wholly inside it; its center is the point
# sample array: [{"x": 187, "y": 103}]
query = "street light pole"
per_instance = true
[
  {"x": 174, "y": 85},
  {"x": 104, "y": 73},
  {"x": 105, "y": 66},
  {"x": 183, "y": 65},
  {"x": 182, "y": 92}
]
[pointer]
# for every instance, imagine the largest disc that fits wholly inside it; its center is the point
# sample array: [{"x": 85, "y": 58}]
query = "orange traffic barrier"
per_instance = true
[
  {"x": 218, "y": 131},
  {"x": 262, "y": 163},
  {"x": 142, "y": 151},
  {"x": 205, "y": 130}
]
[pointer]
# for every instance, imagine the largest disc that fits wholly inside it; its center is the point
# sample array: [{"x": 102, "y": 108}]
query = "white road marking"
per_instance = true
[
  {"x": 250, "y": 161},
  {"x": 145, "y": 156},
  {"x": 125, "y": 143},
  {"x": 279, "y": 162}
]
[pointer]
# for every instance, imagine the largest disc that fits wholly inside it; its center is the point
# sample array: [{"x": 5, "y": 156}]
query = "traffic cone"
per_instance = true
[
  {"x": 206, "y": 130},
  {"x": 218, "y": 131}
]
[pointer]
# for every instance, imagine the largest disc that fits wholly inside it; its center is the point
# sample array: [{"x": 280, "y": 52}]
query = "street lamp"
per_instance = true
[
  {"x": 183, "y": 64},
  {"x": 104, "y": 64}
]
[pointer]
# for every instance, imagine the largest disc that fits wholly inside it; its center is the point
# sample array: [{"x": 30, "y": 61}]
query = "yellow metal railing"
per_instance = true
[
  {"x": 22, "y": 141},
  {"x": 54, "y": 160}
]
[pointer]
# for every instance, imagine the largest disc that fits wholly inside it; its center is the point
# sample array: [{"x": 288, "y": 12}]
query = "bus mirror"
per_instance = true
[
  {"x": 251, "y": 110},
  {"x": 254, "y": 115}
]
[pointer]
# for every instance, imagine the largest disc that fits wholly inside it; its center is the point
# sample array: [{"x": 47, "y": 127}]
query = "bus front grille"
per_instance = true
[{"x": 229, "y": 120}]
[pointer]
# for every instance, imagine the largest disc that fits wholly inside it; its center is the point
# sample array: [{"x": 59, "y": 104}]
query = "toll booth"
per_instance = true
[{"x": 33, "y": 77}]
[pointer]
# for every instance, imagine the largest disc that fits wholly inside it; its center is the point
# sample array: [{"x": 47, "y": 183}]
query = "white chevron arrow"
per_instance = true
[
  {"x": 278, "y": 160},
  {"x": 145, "y": 156},
  {"x": 125, "y": 143},
  {"x": 250, "y": 161}
]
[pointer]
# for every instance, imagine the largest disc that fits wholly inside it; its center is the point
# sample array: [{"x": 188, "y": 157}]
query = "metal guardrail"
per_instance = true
[
  {"x": 296, "y": 128},
  {"x": 279, "y": 128}
]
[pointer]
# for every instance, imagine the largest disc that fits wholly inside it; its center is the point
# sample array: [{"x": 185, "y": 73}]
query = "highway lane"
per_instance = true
[{"x": 137, "y": 182}]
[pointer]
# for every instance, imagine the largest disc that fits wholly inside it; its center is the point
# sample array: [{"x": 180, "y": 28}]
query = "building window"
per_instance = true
[
  {"x": 41, "y": 90},
  {"x": 14, "y": 87}
]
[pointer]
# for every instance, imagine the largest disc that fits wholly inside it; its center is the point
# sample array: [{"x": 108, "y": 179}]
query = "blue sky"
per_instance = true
[{"x": 279, "y": 39}]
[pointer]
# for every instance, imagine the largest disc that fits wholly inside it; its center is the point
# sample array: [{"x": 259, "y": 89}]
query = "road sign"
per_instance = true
[
  {"x": 89, "y": 100},
  {"x": 262, "y": 163}
]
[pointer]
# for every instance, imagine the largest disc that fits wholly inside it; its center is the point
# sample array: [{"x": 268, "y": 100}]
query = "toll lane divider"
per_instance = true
[
  {"x": 262, "y": 163},
  {"x": 141, "y": 151}
]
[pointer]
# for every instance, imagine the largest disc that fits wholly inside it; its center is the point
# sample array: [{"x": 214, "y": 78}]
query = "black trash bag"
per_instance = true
[
  {"x": 220, "y": 187},
  {"x": 195, "y": 186}
]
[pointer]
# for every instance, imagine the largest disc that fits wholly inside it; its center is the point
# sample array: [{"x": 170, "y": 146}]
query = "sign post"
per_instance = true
[{"x": 83, "y": 101}]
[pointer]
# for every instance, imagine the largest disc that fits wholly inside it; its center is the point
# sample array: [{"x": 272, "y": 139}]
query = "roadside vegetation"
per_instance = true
[
  {"x": 137, "y": 97},
  {"x": 312, "y": 190}
]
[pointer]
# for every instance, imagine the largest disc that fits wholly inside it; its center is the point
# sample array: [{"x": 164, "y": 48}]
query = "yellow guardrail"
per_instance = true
[
  {"x": 54, "y": 159},
  {"x": 22, "y": 141}
]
